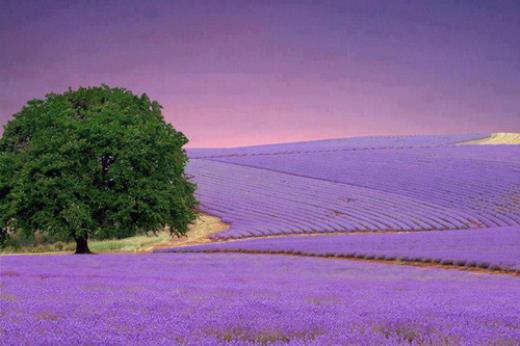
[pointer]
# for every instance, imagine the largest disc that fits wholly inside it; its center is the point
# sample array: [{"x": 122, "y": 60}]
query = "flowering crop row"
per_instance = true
[
  {"x": 497, "y": 248},
  {"x": 262, "y": 202},
  {"x": 485, "y": 189},
  {"x": 234, "y": 299}
]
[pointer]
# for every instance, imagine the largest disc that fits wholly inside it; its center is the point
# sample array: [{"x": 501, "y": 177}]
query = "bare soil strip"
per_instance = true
[
  {"x": 199, "y": 232},
  {"x": 497, "y": 138},
  {"x": 426, "y": 263}
]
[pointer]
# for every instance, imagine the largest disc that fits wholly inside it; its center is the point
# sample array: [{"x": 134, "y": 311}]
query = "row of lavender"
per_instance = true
[
  {"x": 485, "y": 188},
  {"x": 249, "y": 300},
  {"x": 484, "y": 248},
  {"x": 415, "y": 189},
  {"x": 261, "y": 202}
]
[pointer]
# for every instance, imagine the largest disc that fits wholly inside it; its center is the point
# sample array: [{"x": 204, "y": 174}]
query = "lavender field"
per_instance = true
[
  {"x": 493, "y": 248},
  {"x": 226, "y": 299},
  {"x": 431, "y": 200},
  {"x": 368, "y": 184},
  {"x": 260, "y": 173},
  {"x": 487, "y": 190},
  {"x": 354, "y": 143},
  {"x": 260, "y": 202}
]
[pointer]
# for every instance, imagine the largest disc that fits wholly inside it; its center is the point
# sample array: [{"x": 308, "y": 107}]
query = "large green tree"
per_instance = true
[{"x": 95, "y": 162}]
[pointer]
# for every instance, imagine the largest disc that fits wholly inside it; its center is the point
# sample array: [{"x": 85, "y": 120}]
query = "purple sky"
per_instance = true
[{"x": 232, "y": 73}]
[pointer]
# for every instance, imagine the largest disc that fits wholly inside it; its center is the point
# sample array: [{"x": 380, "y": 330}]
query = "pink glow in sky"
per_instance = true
[{"x": 232, "y": 73}]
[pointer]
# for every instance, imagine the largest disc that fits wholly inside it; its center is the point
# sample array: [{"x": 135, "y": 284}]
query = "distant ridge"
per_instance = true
[
  {"x": 497, "y": 138},
  {"x": 340, "y": 144}
]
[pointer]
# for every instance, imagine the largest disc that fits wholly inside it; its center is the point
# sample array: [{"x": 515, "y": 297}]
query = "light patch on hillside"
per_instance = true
[
  {"x": 199, "y": 232},
  {"x": 498, "y": 138}
]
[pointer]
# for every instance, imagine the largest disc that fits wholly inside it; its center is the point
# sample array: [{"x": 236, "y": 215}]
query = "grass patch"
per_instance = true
[
  {"x": 137, "y": 243},
  {"x": 132, "y": 244}
]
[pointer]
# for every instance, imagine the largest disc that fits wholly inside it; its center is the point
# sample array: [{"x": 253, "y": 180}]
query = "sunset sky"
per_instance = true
[{"x": 232, "y": 73}]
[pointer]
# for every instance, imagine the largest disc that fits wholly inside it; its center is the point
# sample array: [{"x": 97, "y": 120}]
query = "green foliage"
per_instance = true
[{"x": 95, "y": 162}]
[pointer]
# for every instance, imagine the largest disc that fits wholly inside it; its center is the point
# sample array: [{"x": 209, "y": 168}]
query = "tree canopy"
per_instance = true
[{"x": 95, "y": 162}]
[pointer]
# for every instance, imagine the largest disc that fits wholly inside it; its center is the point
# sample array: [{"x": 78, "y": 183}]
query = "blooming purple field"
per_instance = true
[
  {"x": 400, "y": 183},
  {"x": 416, "y": 198},
  {"x": 495, "y": 248},
  {"x": 487, "y": 190},
  {"x": 259, "y": 202},
  {"x": 231, "y": 299}
]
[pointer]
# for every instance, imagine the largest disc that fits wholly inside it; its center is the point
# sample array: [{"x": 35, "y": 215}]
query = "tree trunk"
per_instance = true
[{"x": 82, "y": 246}]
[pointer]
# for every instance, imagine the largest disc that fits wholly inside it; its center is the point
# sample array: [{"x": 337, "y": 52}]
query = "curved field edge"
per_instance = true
[
  {"x": 273, "y": 300},
  {"x": 490, "y": 249},
  {"x": 498, "y": 138}
]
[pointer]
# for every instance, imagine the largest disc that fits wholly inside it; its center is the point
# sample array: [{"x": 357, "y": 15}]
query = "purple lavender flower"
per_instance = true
[{"x": 231, "y": 299}]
